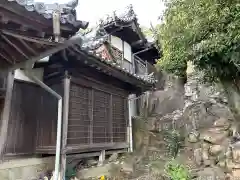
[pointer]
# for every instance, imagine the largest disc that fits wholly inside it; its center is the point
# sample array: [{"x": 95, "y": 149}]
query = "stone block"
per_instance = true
[
  {"x": 222, "y": 123},
  {"x": 236, "y": 174},
  {"x": 214, "y": 150},
  {"x": 15, "y": 173},
  {"x": 236, "y": 153},
  {"x": 4, "y": 174},
  {"x": 193, "y": 137},
  {"x": 232, "y": 165},
  {"x": 30, "y": 172},
  {"x": 198, "y": 156},
  {"x": 214, "y": 135}
]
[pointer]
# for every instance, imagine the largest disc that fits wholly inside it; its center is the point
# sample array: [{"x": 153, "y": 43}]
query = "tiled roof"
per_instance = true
[
  {"x": 92, "y": 42},
  {"x": 144, "y": 78},
  {"x": 125, "y": 16},
  {"x": 68, "y": 13}
]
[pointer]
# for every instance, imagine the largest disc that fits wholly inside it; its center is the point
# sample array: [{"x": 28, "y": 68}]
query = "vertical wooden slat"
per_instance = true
[
  {"x": 6, "y": 113},
  {"x": 66, "y": 86},
  {"x": 126, "y": 116},
  {"x": 91, "y": 118},
  {"x": 111, "y": 118}
]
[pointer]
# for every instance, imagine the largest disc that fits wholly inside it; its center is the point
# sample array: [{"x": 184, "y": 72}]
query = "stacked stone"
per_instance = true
[{"x": 217, "y": 151}]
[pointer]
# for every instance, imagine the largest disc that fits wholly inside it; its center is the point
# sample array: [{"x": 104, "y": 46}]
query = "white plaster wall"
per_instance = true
[
  {"x": 20, "y": 75},
  {"x": 127, "y": 52},
  {"x": 118, "y": 43}
]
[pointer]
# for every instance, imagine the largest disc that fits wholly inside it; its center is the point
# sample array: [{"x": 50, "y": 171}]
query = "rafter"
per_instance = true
[
  {"x": 10, "y": 16},
  {"x": 13, "y": 45},
  {"x": 28, "y": 47},
  {"x": 5, "y": 58},
  {"x": 7, "y": 52},
  {"x": 30, "y": 39}
]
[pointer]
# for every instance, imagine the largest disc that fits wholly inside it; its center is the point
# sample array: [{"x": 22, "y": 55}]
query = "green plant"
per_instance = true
[
  {"x": 176, "y": 171},
  {"x": 174, "y": 141},
  {"x": 205, "y": 32}
]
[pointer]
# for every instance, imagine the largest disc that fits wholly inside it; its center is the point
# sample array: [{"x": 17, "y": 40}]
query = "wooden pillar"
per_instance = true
[
  {"x": 6, "y": 113},
  {"x": 66, "y": 86}
]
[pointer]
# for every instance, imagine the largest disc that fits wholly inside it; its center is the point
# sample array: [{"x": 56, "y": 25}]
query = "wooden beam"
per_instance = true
[
  {"x": 66, "y": 83},
  {"x": 10, "y": 16},
  {"x": 30, "y": 39},
  {"x": 6, "y": 114},
  {"x": 28, "y": 47},
  {"x": 8, "y": 52},
  {"x": 6, "y": 59},
  {"x": 14, "y": 46}
]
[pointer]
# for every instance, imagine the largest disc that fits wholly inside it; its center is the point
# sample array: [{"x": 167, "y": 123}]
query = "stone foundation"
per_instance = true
[{"x": 25, "y": 168}]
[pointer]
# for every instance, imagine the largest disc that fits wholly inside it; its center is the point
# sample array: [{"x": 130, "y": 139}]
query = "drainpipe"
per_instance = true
[
  {"x": 132, "y": 112},
  {"x": 59, "y": 120}
]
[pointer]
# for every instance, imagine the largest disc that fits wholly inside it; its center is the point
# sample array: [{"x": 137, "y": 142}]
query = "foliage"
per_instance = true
[
  {"x": 148, "y": 32},
  {"x": 176, "y": 171},
  {"x": 205, "y": 32},
  {"x": 174, "y": 141}
]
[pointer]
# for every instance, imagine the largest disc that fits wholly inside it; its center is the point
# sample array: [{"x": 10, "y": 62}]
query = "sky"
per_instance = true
[{"x": 93, "y": 10}]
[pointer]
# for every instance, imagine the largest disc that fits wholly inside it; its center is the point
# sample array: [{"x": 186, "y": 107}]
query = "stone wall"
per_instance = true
[
  {"x": 199, "y": 110},
  {"x": 25, "y": 168},
  {"x": 169, "y": 95},
  {"x": 194, "y": 105}
]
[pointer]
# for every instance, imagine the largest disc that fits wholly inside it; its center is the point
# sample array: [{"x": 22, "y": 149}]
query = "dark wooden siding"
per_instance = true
[
  {"x": 22, "y": 123},
  {"x": 47, "y": 119},
  {"x": 97, "y": 117},
  {"x": 33, "y": 119}
]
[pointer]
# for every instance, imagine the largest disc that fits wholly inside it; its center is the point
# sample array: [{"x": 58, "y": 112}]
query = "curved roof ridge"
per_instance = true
[{"x": 124, "y": 15}]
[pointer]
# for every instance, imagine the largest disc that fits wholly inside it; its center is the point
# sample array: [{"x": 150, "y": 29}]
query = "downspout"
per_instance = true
[
  {"x": 132, "y": 113},
  {"x": 59, "y": 120},
  {"x": 132, "y": 109}
]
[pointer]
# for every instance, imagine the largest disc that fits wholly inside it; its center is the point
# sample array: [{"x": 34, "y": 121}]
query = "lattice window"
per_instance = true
[
  {"x": 95, "y": 117},
  {"x": 119, "y": 123},
  {"x": 101, "y": 117},
  {"x": 79, "y": 125}
]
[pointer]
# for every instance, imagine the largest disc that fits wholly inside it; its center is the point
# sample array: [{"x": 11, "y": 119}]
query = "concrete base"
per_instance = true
[{"x": 25, "y": 168}]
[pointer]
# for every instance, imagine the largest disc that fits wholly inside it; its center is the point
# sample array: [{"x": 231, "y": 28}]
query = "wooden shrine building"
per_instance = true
[{"x": 95, "y": 80}]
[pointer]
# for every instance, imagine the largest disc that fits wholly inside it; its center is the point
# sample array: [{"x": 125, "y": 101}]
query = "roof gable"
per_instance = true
[{"x": 124, "y": 25}]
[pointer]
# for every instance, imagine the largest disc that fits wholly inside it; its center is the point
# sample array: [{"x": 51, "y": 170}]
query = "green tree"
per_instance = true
[{"x": 206, "y": 32}]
